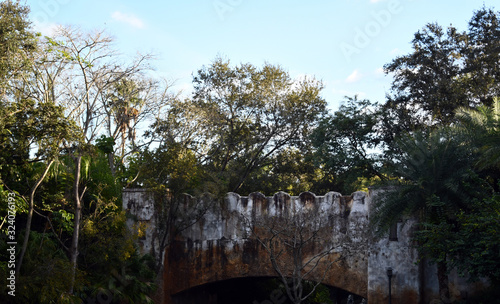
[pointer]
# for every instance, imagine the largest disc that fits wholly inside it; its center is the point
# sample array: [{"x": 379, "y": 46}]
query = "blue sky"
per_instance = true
[{"x": 344, "y": 43}]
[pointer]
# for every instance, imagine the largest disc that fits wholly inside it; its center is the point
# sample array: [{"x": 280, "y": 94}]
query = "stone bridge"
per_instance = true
[{"x": 227, "y": 241}]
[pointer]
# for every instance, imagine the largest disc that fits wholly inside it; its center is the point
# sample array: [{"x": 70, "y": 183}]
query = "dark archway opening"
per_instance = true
[{"x": 257, "y": 290}]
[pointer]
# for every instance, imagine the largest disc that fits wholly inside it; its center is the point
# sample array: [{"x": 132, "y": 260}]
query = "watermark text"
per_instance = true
[
  {"x": 11, "y": 244},
  {"x": 363, "y": 35},
  {"x": 50, "y": 8},
  {"x": 223, "y": 7}
]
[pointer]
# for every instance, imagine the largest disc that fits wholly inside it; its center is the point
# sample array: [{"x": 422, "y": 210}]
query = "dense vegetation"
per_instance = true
[{"x": 72, "y": 136}]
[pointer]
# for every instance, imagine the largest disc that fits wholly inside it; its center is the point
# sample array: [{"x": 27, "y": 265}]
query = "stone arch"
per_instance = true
[
  {"x": 216, "y": 248},
  {"x": 247, "y": 289}
]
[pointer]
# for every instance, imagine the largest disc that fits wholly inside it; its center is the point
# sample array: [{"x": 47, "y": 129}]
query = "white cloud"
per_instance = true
[
  {"x": 128, "y": 18},
  {"x": 354, "y": 77},
  {"x": 46, "y": 29},
  {"x": 379, "y": 72},
  {"x": 184, "y": 88}
]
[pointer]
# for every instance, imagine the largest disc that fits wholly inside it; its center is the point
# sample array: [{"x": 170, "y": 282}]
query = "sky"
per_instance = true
[{"x": 343, "y": 43}]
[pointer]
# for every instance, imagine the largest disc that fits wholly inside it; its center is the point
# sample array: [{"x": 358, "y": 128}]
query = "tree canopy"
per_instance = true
[
  {"x": 79, "y": 123},
  {"x": 242, "y": 117}
]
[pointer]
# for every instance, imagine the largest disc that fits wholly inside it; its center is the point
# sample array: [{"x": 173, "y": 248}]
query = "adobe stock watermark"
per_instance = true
[
  {"x": 223, "y": 7},
  {"x": 364, "y": 35},
  {"x": 49, "y": 9},
  {"x": 102, "y": 297},
  {"x": 11, "y": 244},
  {"x": 277, "y": 296}
]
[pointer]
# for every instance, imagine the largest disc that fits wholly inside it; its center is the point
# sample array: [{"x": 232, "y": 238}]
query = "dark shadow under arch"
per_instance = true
[{"x": 250, "y": 290}]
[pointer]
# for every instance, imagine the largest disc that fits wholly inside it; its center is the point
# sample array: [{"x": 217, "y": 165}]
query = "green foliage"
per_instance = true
[
  {"x": 109, "y": 257},
  {"x": 346, "y": 144},
  {"x": 64, "y": 220},
  {"x": 42, "y": 127},
  {"x": 45, "y": 269},
  {"x": 101, "y": 182},
  {"x": 6, "y": 197},
  {"x": 481, "y": 128},
  {"x": 105, "y": 144},
  {"x": 423, "y": 80},
  {"x": 291, "y": 171},
  {"x": 174, "y": 167},
  {"x": 423, "y": 184},
  {"x": 435, "y": 241},
  {"x": 18, "y": 43},
  {"x": 134, "y": 283},
  {"x": 245, "y": 129},
  {"x": 477, "y": 242},
  {"x": 240, "y": 117},
  {"x": 320, "y": 296},
  {"x": 61, "y": 53},
  {"x": 274, "y": 289},
  {"x": 481, "y": 50},
  {"x": 104, "y": 234},
  {"x": 447, "y": 70},
  {"x": 470, "y": 243},
  {"x": 439, "y": 183}
]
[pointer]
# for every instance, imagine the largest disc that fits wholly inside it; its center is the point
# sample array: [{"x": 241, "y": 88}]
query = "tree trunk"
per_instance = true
[
  {"x": 76, "y": 226},
  {"x": 124, "y": 138},
  {"x": 444, "y": 291},
  {"x": 30, "y": 217},
  {"x": 111, "y": 162}
]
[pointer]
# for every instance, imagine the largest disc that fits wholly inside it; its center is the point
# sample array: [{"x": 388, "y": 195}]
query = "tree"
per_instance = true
[
  {"x": 291, "y": 170},
  {"x": 110, "y": 257},
  {"x": 447, "y": 70},
  {"x": 241, "y": 116},
  {"x": 129, "y": 103},
  {"x": 30, "y": 124},
  {"x": 169, "y": 173},
  {"x": 473, "y": 243},
  {"x": 52, "y": 129},
  {"x": 470, "y": 244},
  {"x": 18, "y": 43},
  {"x": 481, "y": 51},
  {"x": 424, "y": 80},
  {"x": 433, "y": 181},
  {"x": 445, "y": 174},
  {"x": 481, "y": 130},
  {"x": 86, "y": 71},
  {"x": 346, "y": 144},
  {"x": 16, "y": 49},
  {"x": 476, "y": 245},
  {"x": 56, "y": 94}
]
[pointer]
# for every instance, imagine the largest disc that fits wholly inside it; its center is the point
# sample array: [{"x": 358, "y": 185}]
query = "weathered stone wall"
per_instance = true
[
  {"x": 460, "y": 288},
  {"x": 221, "y": 244},
  {"x": 140, "y": 205},
  {"x": 398, "y": 253}
]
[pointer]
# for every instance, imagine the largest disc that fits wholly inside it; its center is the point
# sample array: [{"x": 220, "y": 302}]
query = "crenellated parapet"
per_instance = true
[
  {"x": 221, "y": 239},
  {"x": 225, "y": 218}
]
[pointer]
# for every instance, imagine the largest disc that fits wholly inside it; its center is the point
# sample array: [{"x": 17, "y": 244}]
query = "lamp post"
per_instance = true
[{"x": 389, "y": 275}]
